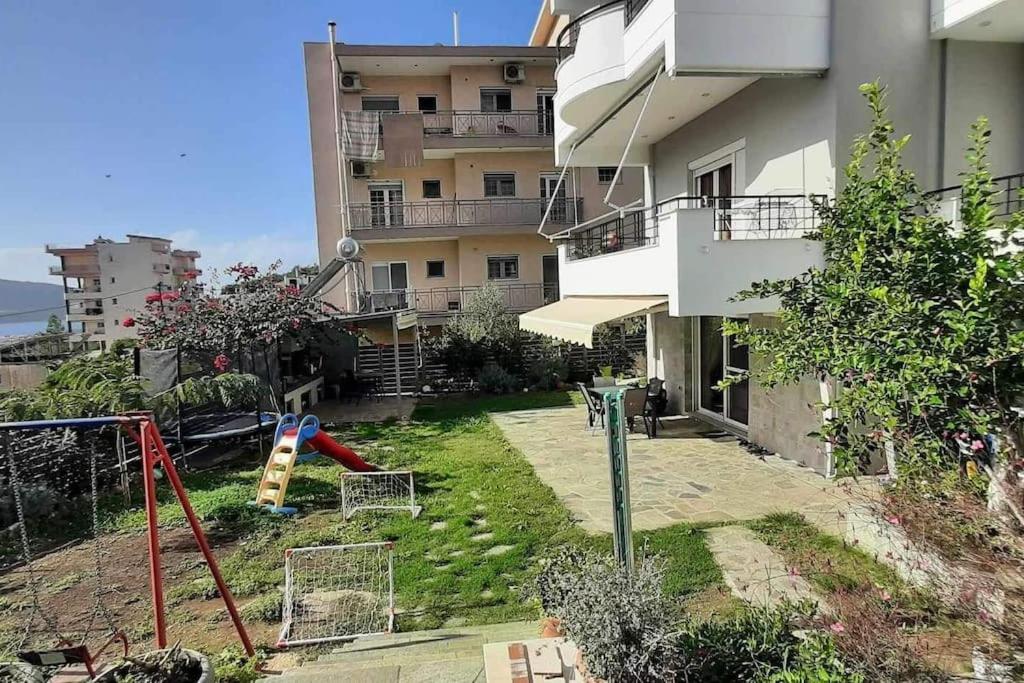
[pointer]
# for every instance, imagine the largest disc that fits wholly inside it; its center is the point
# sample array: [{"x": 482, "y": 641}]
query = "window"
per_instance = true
[
  {"x": 606, "y": 174},
  {"x": 427, "y": 103},
  {"x": 499, "y": 185},
  {"x": 380, "y": 104},
  {"x": 502, "y": 267},
  {"x": 113, "y": 280},
  {"x": 431, "y": 189},
  {"x": 114, "y": 301},
  {"x": 495, "y": 99},
  {"x": 435, "y": 268},
  {"x": 117, "y": 322}
]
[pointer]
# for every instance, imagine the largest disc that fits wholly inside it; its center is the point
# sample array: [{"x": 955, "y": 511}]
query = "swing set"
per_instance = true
[{"x": 140, "y": 428}]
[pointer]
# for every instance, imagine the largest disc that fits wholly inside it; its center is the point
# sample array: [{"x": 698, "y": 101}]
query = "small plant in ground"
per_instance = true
[
  {"x": 494, "y": 379},
  {"x": 620, "y": 620},
  {"x": 234, "y": 666}
]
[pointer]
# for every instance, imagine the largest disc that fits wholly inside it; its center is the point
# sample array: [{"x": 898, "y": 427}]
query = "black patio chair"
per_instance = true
[
  {"x": 635, "y": 405},
  {"x": 595, "y": 409},
  {"x": 657, "y": 398}
]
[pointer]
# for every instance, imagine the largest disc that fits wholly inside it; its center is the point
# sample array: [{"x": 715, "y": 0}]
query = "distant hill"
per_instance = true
[{"x": 30, "y": 296}]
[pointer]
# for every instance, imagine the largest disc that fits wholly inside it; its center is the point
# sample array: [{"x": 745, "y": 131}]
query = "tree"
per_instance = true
[
  {"x": 919, "y": 323},
  {"x": 257, "y": 311},
  {"x": 54, "y": 325}
]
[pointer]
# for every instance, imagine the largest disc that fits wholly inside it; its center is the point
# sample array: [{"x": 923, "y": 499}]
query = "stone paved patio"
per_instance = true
[{"x": 690, "y": 473}]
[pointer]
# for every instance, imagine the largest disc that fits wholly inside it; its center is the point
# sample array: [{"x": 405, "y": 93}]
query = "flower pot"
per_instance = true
[
  {"x": 201, "y": 667},
  {"x": 581, "y": 669},
  {"x": 551, "y": 627}
]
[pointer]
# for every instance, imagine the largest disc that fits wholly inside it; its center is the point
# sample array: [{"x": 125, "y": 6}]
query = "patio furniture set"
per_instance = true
[{"x": 640, "y": 402}]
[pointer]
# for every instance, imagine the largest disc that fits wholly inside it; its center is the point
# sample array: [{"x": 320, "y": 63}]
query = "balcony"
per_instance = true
[
  {"x": 78, "y": 294},
  {"x": 469, "y": 216},
  {"x": 980, "y": 20},
  {"x": 468, "y": 129},
  {"x": 608, "y": 55},
  {"x": 1007, "y": 200},
  {"x": 697, "y": 251},
  {"x": 75, "y": 270},
  {"x": 517, "y": 297}
]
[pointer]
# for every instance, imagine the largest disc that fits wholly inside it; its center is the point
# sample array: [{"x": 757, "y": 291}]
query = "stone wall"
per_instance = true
[
  {"x": 21, "y": 375},
  {"x": 670, "y": 357},
  {"x": 781, "y": 418}
]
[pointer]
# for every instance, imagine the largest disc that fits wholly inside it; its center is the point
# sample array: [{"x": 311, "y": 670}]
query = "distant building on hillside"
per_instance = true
[{"x": 107, "y": 281}]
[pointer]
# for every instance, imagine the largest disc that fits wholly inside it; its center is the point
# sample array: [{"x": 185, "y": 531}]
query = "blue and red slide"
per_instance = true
[{"x": 297, "y": 442}]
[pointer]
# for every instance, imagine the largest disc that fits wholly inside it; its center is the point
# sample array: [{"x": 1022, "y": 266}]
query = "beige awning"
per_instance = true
[{"x": 574, "y": 318}]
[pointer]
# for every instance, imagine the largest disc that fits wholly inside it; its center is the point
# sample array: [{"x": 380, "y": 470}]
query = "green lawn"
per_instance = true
[{"x": 467, "y": 476}]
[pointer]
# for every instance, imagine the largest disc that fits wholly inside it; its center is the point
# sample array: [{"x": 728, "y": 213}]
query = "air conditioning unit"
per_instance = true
[
  {"x": 362, "y": 169},
  {"x": 350, "y": 82},
  {"x": 514, "y": 72}
]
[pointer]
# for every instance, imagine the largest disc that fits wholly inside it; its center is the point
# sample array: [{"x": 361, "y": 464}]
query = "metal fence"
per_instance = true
[
  {"x": 456, "y": 212},
  {"x": 1007, "y": 200},
  {"x": 621, "y": 233}
]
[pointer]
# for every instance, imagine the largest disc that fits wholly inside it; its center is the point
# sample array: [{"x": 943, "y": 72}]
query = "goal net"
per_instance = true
[
  {"x": 337, "y": 592},
  {"x": 378, "y": 491}
]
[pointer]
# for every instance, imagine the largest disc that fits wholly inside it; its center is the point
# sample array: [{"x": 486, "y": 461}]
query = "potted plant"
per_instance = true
[{"x": 172, "y": 665}]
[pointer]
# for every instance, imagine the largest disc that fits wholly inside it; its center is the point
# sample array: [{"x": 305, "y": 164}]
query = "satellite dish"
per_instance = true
[{"x": 348, "y": 249}]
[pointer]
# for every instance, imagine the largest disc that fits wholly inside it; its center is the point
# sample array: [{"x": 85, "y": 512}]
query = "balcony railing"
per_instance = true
[
  {"x": 633, "y": 9},
  {"x": 467, "y": 123},
  {"x": 463, "y": 212},
  {"x": 746, "y": 217},
  {"x": 517, "y": 297},
  {"x": 75, "y": 271},
  {"x": 1008, "y": 199},
  {"x": 565, "y": 43}
]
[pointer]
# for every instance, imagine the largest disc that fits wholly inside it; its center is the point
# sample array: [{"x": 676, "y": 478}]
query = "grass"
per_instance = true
[
  {"x": 467, "y": 476},
  {"x": 828, "y": 562}
]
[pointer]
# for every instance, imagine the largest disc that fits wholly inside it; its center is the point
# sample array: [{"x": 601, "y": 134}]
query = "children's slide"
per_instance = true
[{"x": 296, "y": 442}]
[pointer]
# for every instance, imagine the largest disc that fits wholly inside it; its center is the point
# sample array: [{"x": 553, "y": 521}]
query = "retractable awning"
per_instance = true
[{"x": 574, "y": 318}]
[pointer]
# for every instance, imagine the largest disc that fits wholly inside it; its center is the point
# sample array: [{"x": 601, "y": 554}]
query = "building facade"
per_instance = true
[
  {"x": 449, "y": 179},
  {"x": 734, "y": 118},
  {"x": 106, "y": 281}
]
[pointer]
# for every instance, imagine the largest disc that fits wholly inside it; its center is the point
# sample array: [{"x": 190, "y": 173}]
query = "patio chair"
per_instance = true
[
  {"x": 656, "y": 398},
  {"x": 634, "y": 405},
  {"x": 600, "y": 381},
  {"x": 595, "y": 410}
]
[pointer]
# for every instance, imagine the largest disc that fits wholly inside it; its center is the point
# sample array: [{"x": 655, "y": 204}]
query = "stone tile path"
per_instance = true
[
  {"x": 753, "y": 571},
  {"x": 690, "y": 473}
]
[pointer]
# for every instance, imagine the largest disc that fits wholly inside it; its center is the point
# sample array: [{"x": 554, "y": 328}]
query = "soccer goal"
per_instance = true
[
  {"x": 337, "y": 592},
  {"x": 378, "y": 491}
]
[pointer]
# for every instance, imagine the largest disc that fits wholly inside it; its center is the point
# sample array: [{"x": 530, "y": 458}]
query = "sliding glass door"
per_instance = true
[{"x": 719, "y": 357}]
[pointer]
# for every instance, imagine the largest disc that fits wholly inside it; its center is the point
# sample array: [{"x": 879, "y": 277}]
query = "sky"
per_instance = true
[{"x": 183, "y": 119}]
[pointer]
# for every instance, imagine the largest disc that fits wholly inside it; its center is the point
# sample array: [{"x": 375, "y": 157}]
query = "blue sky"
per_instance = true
[{"x": 124, "y": 87}]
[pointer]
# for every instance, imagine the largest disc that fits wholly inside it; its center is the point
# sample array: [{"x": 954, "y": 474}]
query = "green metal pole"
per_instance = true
[{"x": 618, "y": 462}]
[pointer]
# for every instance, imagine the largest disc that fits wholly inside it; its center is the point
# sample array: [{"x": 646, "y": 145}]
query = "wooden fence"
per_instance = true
[{"x": 418, "y": 370}]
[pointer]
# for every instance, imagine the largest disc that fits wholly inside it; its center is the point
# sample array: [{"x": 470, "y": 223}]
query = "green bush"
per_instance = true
[
  {"x": 547, "y": 371},
  {"x": 494, "y": 379},
  {"x": 233, "y": 666}
]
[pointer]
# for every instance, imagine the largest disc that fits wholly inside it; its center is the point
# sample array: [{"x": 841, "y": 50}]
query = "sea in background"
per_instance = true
[{"x": 28, "y": 327}]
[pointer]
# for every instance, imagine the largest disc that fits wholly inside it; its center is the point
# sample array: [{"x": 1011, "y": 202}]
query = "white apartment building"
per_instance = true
[
  {"x": 737, "y": 110},
  {"x": 106, "y": 281}
]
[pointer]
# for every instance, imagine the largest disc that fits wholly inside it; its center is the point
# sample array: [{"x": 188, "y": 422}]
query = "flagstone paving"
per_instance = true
[{"x": 690, "y": 473}]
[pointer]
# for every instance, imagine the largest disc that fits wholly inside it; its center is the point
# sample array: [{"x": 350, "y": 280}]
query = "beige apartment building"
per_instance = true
[
  {"x": 448, "y": 168},
  {"x": 106, "y": 281}
]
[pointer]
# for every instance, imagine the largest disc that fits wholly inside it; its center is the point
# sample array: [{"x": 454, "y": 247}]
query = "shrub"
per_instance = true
[
  {"x": 233, "y": 666},
  {"x": 547, "y": 371},
  {"x": 621, "y": 621},
  {"x": 494, "y": 379}
]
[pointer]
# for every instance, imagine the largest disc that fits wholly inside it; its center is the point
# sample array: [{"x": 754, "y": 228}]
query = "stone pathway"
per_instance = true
[
  {"x": 452, "y": 655},
  {"x": 754, "y": 572},
  {"x": 690, "y": 473}
]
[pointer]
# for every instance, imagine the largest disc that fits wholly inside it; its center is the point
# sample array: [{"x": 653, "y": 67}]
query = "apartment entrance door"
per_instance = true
[
  {"x": 386, "y": 205},
  {"x": 559, "y": 208},
  {"x": 550, "y": 278},
  {"x": 713, "y": 184},
  {"x": 719, "y": 357}
]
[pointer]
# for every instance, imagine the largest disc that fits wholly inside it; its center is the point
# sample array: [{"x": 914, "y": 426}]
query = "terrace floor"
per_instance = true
[{"x": 690, "y": 473}]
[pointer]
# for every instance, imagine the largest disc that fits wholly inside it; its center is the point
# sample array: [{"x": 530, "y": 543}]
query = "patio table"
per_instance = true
[{"x": 599, "y": 393}]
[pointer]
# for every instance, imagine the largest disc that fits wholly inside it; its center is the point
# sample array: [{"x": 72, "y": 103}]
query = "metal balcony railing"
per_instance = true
[
  {"x": 565, "y": 43},
  {"x": 463, "y": 212},
  {"x": 518, "y": 297},
  {"x": 468, "y": 123},
  {"x": 1008, "y": 199},
  {"x": 746, "y": 217}
]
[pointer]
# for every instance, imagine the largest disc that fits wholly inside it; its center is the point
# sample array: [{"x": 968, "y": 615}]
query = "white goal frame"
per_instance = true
[
  {"x": 351, "y": 504},
  {"x": 288, "y": 607}
]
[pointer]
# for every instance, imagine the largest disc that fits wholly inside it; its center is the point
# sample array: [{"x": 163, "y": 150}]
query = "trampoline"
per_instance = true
[{"x": 205, "y": 427}]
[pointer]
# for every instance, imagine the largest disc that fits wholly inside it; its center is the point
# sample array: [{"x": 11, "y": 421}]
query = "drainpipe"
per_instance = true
[{"x": 455, "y": 28}]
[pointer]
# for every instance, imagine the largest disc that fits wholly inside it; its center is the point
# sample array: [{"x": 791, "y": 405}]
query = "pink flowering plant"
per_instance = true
[{"x": 253, "y": 308}]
